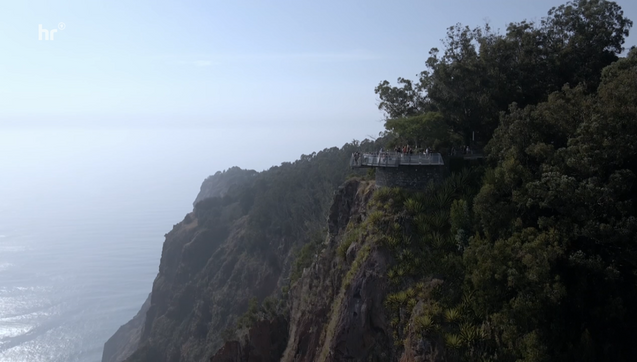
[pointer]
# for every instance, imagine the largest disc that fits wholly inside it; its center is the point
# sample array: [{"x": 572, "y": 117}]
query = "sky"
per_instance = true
[
  {"x": 258, "y": 82},
  {"x": 213, "y": 63}
]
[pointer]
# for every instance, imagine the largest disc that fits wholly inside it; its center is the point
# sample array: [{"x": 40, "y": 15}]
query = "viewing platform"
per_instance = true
[{"x": 395, "y": 159}]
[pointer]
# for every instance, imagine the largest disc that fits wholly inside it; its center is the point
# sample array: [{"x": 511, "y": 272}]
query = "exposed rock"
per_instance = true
[
  {"x": 350, "y": 255},
  {"x": 341, "y": 210},
  {"x": 264, "y": 341},
  {"x": 334, "y": 319},
  {"x": 206, "y": 278},
  {"x": 335, "y": 309},
  {"x": 126, "y": 340},
  {"x": 240, "y": 243},
  {"x": 417, "y": 348}
]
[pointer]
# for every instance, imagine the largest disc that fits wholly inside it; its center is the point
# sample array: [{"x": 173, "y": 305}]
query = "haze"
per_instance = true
[{"x": 133, "y": 103}]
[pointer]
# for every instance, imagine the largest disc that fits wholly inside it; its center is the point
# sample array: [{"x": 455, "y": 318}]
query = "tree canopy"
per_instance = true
[
  {"x": 539, "y": 263},
  {"x": 480, "y": 72}
]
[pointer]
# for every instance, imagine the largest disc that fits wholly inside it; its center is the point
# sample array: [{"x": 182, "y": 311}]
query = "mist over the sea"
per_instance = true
[{"x": 83, "y": 213}]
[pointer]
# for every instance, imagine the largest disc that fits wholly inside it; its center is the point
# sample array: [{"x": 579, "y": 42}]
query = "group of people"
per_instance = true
[
  {"x": 407, "y": 150},
  {"x": 404, "y": 150}
]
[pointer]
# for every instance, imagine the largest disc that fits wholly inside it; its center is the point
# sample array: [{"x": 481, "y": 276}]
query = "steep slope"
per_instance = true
[
  {"x": 372, "y": 290},
  {"x": 336, "y": 308},
  {"x": 237, "y": 244}
]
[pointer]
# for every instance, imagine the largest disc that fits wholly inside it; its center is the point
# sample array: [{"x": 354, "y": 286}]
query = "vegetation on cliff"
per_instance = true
[
  {"x": 221, "y": 266},
  {"x": 537, "y": 263}
]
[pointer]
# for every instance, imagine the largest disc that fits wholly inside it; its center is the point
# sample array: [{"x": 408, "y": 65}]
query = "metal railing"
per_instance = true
[{"x": 394, "y": 159}]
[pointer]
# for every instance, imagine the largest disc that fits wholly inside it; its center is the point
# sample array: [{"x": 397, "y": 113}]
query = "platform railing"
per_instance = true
[{"x": 394, "y": 159}]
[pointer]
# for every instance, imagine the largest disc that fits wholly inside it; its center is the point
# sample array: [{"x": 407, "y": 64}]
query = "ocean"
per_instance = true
[
  {"x": 83, "y": 215},
  {"x": 67, "y": 283}
]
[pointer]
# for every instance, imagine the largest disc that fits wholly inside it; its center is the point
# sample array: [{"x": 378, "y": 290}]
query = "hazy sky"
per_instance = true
[
  {"x": 239, "y": 63},
  {"x": 256, "y": 82}
]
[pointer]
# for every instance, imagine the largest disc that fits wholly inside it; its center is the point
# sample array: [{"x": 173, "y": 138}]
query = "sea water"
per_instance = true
[
  {"x": 83, "y": 213},
  {"x": 82, "y": 221}
]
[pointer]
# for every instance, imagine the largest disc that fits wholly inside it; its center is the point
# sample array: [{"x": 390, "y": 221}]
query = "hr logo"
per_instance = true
[{"x": 49, "y": 33}]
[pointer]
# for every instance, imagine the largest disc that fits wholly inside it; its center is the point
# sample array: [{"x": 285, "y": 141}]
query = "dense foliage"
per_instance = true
[
  {"x": 291, "y": 200},
  {"x": 538, "y": 262},
  {"x": 480, "y": 72}
]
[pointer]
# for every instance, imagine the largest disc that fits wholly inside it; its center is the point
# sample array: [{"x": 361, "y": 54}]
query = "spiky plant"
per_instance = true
[
  {"x": 469, "y": 333},
  {"x": 425, "y": 323},
  {"x": 453, "y": 341},
  {"x": 413, "y": 206},
  {"x": 452, "y": 315},
  {"x": 391, "y": 273}
]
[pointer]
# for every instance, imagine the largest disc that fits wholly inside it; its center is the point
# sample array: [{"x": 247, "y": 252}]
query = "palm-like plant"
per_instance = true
[
  {"x": 469, "y": 333},
  {"x": 413, "y": 206},
  {"x": 452, "y": 315},
  {"x": 425, "y": 323},
  {"x": 453, "y": 341}
]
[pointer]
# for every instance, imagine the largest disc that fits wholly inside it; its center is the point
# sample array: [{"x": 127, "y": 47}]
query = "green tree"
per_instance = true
[
  {"x": 480, "y": 73},
  {"x": 553, "y": 267},
  {"x": 428, "y": 129}
]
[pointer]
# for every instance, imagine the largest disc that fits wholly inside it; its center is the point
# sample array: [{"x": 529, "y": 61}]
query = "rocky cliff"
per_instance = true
[
  {"x": 333, "y": 311},
  {"x": 337, "y": 308},
  {"x": 239, "y": 244}
]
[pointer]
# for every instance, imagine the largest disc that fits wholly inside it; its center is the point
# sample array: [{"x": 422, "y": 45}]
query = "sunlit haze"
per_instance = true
[{"x": 112, "y": 113}]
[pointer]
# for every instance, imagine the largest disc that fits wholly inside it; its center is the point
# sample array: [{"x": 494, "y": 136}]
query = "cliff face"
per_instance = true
[
  {"x": 246, "y": 241},
  {"x": 264, "y": 341},
  {"x": 336, "y": 310},
  {"x": 207, "y": 275},
  {"x": 211, "y": 265},
  {"x": 127, "y": 338}
]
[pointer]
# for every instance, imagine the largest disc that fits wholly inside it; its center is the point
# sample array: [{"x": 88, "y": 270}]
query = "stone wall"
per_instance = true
[{"x": 409, "y": 177}]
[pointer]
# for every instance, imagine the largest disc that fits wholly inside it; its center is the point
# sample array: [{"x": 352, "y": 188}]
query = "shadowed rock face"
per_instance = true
[
  {"x": 330, "y": 320},
  {"x": 335, "y": 310},
  {"x": 208, "y": 272},
  {"x": 210, "y": 269},
  {"x": 205, "y": 281},
  {"x": 240, "y": 242},
  {"x": 227, "y": 251},
  {"x": 264, "y": 341}
]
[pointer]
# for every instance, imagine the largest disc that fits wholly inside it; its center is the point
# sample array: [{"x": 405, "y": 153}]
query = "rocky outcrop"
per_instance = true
[
  {"x": 207, "y": 276},
  {"x": 240, "y": 243},
  {"x": 126, "y": 340},
  {"x": 233, "y": 247},
  {"x": 220, "y": 183},
  {"x": 336, "y": 308}
]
